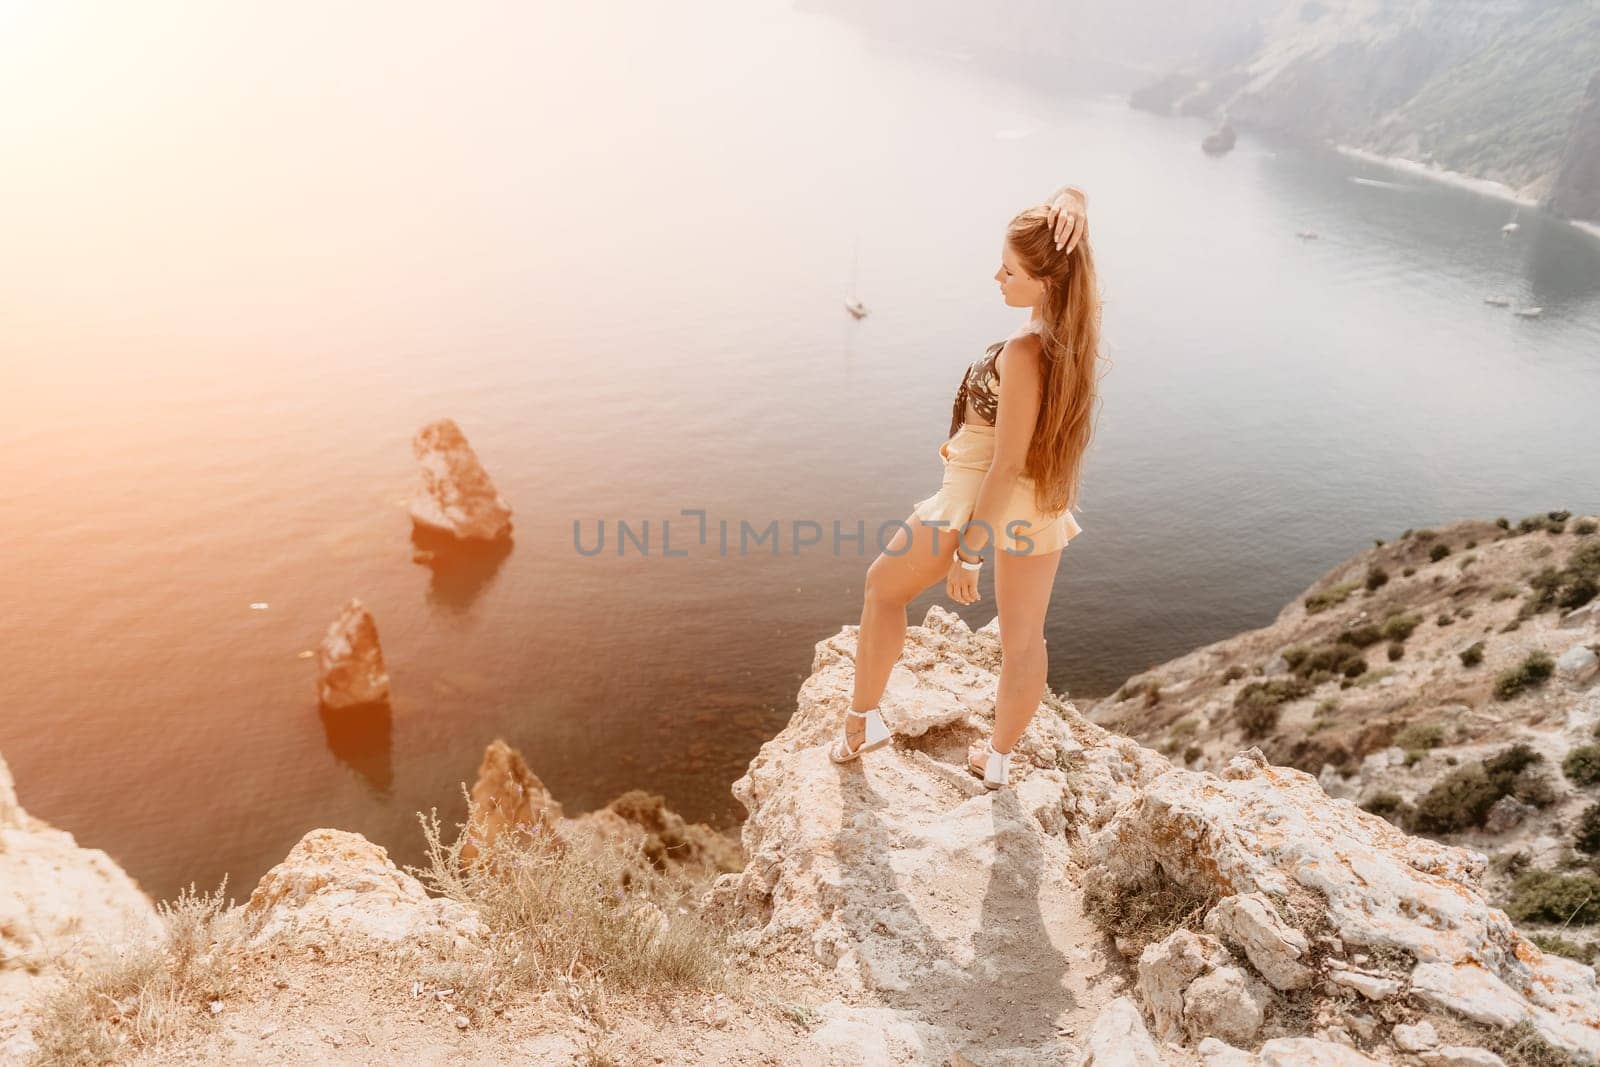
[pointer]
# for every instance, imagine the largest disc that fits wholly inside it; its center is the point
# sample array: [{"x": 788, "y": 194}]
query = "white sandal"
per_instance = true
[
  {"x": 996, "y": 767},
  {"x": 877, "y": 736}
]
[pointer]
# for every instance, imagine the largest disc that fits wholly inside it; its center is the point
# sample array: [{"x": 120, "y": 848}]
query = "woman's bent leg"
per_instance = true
[
  {"x": 893, "y": 581},
  {"x": 1022, "y": 586}
]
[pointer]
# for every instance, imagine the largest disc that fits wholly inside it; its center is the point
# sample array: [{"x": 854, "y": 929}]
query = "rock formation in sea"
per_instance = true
[
  {"x": 350, "y": 670},
  {"x": 456, "y": 495}
]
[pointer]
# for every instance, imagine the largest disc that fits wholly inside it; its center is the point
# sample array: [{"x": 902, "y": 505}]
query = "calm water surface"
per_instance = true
[{"x": 613, "y": 246}]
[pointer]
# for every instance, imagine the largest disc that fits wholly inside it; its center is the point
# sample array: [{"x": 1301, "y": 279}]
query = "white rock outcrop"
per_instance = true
[
  {"x": 337, "y": 890},
  {"x": 919, "y": 888},
  {"x": 59, "y": 903}
]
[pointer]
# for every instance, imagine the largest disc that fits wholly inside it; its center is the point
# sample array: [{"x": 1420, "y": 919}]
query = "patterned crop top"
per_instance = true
[{"x": 981, "y": 385}]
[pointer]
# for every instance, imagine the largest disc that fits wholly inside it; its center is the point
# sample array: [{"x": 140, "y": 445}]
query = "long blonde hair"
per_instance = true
[{"x": 1070, "y": 335}]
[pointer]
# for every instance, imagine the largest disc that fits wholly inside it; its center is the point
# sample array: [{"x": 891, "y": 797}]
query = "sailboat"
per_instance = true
[{"x": 853, "y": 303}]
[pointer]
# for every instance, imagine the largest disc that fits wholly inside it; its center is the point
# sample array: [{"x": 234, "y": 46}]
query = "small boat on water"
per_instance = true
[
  {"x": 1497, "y": 301},
  {"x": 1512, "y": 227},
  {"x": 856, "y": 308},
  {"x": 1528, "y": 313}
]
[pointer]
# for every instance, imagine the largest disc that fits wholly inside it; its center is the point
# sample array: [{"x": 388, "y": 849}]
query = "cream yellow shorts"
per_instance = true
[{"x": 1024, "y": 531}]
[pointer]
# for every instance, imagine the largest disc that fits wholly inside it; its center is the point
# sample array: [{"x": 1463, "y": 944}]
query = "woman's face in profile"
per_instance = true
[{"x": 1019, "y": 290}]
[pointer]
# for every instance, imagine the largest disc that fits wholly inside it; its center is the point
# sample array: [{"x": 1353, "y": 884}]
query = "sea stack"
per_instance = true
[
  {"x": 350, "y": 671},
  {"x": 456, "y": 495}
]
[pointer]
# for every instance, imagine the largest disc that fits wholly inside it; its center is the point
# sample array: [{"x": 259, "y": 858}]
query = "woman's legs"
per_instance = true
[
  {"x": 1022, "y": 586},
  {"x": 893, "y": 581}
]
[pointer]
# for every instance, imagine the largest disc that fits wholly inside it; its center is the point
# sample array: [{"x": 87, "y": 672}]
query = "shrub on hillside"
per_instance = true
[
  {"x": 1582, "y": 765},
  {"x": 1399, "y": 626},
  {"x": 1257, "y": 705},
  {"x": 1546, "y": 896},
  {"x": 1587, "y": 838},
  {"x": 1461, "y": 800},
  {"x": 1531, "y": 673}
]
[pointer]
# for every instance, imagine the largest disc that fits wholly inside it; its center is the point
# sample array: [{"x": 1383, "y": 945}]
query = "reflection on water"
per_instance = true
[
  {"x": 461, "y": 571},
  {"x": 361, "y": 738}
]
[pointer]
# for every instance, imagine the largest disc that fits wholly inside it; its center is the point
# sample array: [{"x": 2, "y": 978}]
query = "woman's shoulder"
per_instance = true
[{"x": 1028, "y": 345}]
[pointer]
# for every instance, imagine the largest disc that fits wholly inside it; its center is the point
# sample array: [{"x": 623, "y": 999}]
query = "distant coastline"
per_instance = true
[{"x": 1485, "y": 186}]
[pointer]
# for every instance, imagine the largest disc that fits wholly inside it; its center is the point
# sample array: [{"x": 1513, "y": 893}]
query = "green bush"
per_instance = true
[
  {"x": 1444, "y": 619},
  {"x": 1360, "y": 636},
  {"x": 1439, "y": 551},
  {"x": 1234, "y": 673},
  {"x": 1582, "y": 765},
  {"x": 1419, "y": 737},
  {"x": 1388, "y": 806},
  {"x": 1546, "y": 896},
  {"x": 1461, "y": 800},
  {"x": 1377, "y": 577},
  {"x": 1585, "y": 527},
  {"x": 1472, "y": 655},
  {"x": 1329, "y": 597},
  {"x": 1588, "y": 835},
  {"x": 1257, "y": 705},
  {"x": 1398, "y": 627},
  {"x": 1503, "y": 522},
  {"x": 1529, "y": 674},
  {"x": 1329, "y": 661},
  {"x": 1396, "y": 650},
  {"x": 1569, "y": 587},
  {"x": 1407, "y": 571}
]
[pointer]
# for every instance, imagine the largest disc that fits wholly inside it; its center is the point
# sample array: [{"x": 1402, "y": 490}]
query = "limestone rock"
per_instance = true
[
  {"x": 1271, "y": 829},
  {"x": 1217, "y": 1053},
  {"x": 668, "y": 841},
  {"x": 1581, "y": 618},
  {"x": 350, "y": 670},
  {"x": 1119, "y": 1039},
  {"x": 1415, "y": 1038},
  {"x": 1250, "y": 922},
  {"x": 1577, "y": 665},
  {"x": 1462, "y": 1056},
  {"x": 456, "y": 494},
  {"x": 337, "y": 889},
  {"x": 508, "y": 797},
  {"x": 912, "y": 883},
  {"x": 1167, "y": 967},
  {"x": 58, "y": 901},
  {"x": 1506, "y": 814},
  {"x": 1226, "y": 1003},
  {"x": 1371, "y": 986},
  {"x": 1311, "y": 1052}
]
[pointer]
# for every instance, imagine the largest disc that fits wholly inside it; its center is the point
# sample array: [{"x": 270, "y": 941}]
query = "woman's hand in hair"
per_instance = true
[{"x": 1069, "y": 214}]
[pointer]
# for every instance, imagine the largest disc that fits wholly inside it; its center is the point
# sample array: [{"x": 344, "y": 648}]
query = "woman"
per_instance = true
[{"x": 1018, "y": 433}]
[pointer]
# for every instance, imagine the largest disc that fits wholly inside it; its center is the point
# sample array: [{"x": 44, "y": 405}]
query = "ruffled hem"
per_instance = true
[{"x": 941, "y": 507}]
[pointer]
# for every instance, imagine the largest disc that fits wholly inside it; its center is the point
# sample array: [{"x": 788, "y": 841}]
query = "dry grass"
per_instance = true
[
  {"x": 1143, "y": 915},
  {"x": 582, "y": 920},
  {"x": 148, "y": 991}
]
